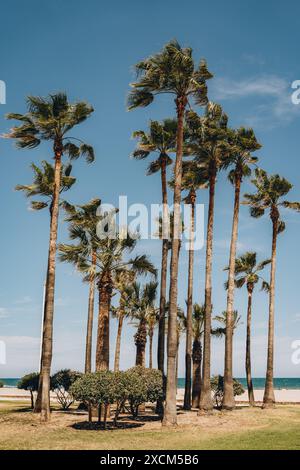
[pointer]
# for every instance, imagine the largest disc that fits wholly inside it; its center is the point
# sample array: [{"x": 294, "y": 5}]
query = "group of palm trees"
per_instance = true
[{"x": 202, "y": 145}]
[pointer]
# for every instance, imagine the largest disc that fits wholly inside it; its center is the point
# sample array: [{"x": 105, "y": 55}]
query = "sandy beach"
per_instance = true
[{"x": 282, "y": 396}]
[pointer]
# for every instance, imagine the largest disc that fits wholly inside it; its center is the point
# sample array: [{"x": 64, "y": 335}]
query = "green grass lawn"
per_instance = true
[{"x": 241, "y": 429}]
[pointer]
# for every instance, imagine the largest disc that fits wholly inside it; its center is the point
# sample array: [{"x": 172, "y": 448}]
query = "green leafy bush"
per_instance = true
[
  {"x": 217, "y": 385},
  {"x": 1, "y": 384},
  {"x": 137, "y": 385},
  {"x": 145, "y": 385},
  {"x": 60, "y": 383},
  {"x": 30, "y": 382}
]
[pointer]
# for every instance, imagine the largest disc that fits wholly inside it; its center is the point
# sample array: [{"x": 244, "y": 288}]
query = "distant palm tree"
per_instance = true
[
  {"x": 51, "y": 119},
  {"x": 122, "y": 283},
  {"x": 223, "y": 319},
  {"x": 152, "y": 321},
  {"x": 43, "y": 185},
  {"x": 243, "y": 144},
  {"x": 110, "y": 262},
  {"x": 193, "y": 179},
  {"x": 247, "y": 272},
  {"x": 142, "y": 304},
  {"x": 172, "y": 71},
  {"x": 83, "y": 220},
  {"x": 209, "y": 143},
  {"x": 161, "y": 140},
  {"x": 198, "y": 330},
  {"x": 269, "y": 197}
]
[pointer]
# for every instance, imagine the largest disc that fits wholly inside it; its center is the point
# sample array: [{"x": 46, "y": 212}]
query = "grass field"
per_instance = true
[{"x": 241, "y": 429}]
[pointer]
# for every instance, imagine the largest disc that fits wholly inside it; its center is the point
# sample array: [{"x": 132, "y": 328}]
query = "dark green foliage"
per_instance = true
[
  {"x": 30, "y": 382},
  {"x": 60, "y": 383},
  {"x": 137, "y": 385},
  {"x": 1, "y": 384},
  {"x": 145, "y": 385},
  {"x": 217, "y": 385}
]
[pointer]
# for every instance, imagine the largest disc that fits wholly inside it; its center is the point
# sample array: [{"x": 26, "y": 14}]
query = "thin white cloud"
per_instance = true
[
  {"x": 274, "y": 93},
  {"x": 4, "y": 312}
]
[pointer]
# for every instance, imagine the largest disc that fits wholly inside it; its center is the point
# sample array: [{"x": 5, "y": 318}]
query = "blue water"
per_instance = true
[{"x": 259, "y": 383}]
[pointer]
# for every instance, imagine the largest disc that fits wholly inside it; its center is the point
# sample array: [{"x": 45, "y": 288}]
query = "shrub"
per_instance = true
[
  {"x": 217, "y": 385},
  {"x": 1, "y": 384},
  {"x": 30, "y": 382},
  {"x": 137, "y": 385},
  {"x": 145, "y": 385},
  {"x": 60, "y": 383}
]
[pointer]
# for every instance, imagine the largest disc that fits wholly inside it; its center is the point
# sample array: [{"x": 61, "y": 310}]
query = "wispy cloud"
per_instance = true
[
  {"x": 3, "y": 312},
  {"x": 273, "y": 105}
]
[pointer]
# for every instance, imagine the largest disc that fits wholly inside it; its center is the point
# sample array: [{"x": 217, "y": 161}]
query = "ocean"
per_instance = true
[{"x": 289, "y": 383}]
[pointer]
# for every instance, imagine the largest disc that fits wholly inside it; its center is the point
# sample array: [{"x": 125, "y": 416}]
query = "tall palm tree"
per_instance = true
[
  {"x": 209, "y": 143},
  {"x": 193, "y": 179},
  {"x": 172, "y": 71},
  {"x": 247, "y": 273},
  {"x": 220, "y": 331},
  {"x": 51, "y": 119},
  {"x": 160, "y": 140},
  {"x": 110, "y": 262},
  {"x": 270, "y": 191},
  {"x": 122, "y": 283},
  {"x": 243, "y": 143},
  {"x": 83, "y": 220},
  {"x": 142, "y": 303},
  {"x": 198, "y": 330}
]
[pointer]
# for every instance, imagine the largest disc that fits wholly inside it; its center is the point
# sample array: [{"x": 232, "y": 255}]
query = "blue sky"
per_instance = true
[{"x": 88, "y": 49}]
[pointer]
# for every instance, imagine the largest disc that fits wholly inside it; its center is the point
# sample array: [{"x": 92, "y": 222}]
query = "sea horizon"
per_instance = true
[{"x": 280, "y": 383}]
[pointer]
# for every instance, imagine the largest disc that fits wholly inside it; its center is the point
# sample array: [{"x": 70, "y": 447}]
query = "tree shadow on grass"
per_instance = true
[{"x": 86, "y": 426}]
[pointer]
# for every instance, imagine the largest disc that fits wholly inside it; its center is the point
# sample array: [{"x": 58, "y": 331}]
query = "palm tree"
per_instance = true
[
  {"x": 51, "y": 119},
  {"x": 142, "y": 303},
  {"x": 83, "y": 220},
  {"x": 43, "y": 184},
  {"x": 161, "y": 140},
  {"x": 247, "y": 274},
  {"x": 152, "y": 321},
  {"x": 223, "y": 320},
  {"x": 193, "y": 179},
  {"x": 270, "y": 191},
  {"x": 122, "y": 283},
  {"x": 198, "y": 330},
  {"x": 208, "y": 142},
  {"x": 243, "y": 143},
  {"x": 172, "y": 71},
  {"x": 110, "y": 262}
]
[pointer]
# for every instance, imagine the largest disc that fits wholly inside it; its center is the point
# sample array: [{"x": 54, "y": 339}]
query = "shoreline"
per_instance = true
[{"x": 288, "y": 396}]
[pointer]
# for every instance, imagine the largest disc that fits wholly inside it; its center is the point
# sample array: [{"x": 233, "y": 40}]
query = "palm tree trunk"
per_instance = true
[
  {"x": 170, "y": 415},
  {"x": 248, "y": 348},
  {"x": 269, "y": 396},
  {"x": 43, "y": 399},
  {"x": 89, "y": 329},
  {"x": 205, "y": 402},
  {"x": 118, "y": 343},
  {"x": 228, "y": 399},
  {"x": 141, "y": 339},
  {"x": 151, "y": 350},
  {"x": 177, "y": 360},
  {"x": 164, "y": 268},
  {"x": 189, "y": 317},
  {"x": 163, "y": 285},
  {"x": 102, "y": 349},
  {"x": 197, "y": 359}
]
